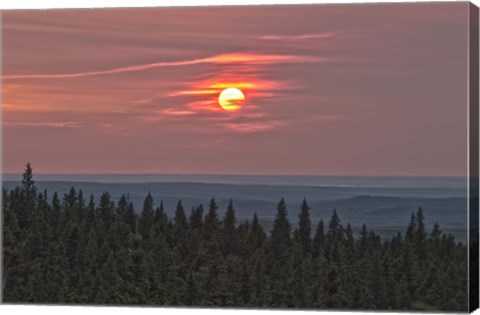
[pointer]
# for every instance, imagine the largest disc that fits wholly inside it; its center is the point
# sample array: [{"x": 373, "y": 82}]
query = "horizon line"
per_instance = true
[{"x": 233, "y": 174}]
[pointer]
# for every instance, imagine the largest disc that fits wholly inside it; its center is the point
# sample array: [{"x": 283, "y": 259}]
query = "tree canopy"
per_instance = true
[{"x": 76, "y": 252}]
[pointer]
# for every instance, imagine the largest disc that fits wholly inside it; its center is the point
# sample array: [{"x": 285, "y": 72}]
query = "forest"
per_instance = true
[{"x": 72, "y": 250}]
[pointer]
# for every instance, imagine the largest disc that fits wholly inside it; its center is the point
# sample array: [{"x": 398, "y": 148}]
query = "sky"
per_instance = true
[{"x": 372, "y": 89}]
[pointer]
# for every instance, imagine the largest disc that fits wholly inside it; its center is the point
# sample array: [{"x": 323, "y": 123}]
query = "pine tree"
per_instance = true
[
  {"x": 180, "y": 223},
  {"x": 434, "y": 241},
  {"x": 28, "y": 195},
  {"x": 256, "y": 236},
  {"x": 279, "y": 258},
  {"x": 56, "y": 285},
  {"x": 69, "y": 201},
  {"x": 145, "y": 222},
  {"x": 160, "y": 217},
  {"x": 231, "y": 242},
  {"x": 211, "y": 223},
  {"x": 80, "y": 209},
  {"x": 106, "y": 210},
  {"x": 302, "y": 284},
  {"x": 108, "y": 282},
  {"x": 420, "y": 237},
  {"x": 304, "y": 228},
  {"x": 318, "y": 247},
  {"x": 333, "y": 298},
  {"x": 72, "y": 253},
  {"x": 363, "y": 241},
  {"x": 412, "y": 226},
  {"x": 56, "y": 213},
  {"x": 122, "y": 206},
  {"x": 28, "y": 184},
  {"x": 378, "y": 282},
  {"x": 334, "y": 237},
  {"x": 280, "y": 241},
  {"x": 196, "y": 218},
  {"x": 131, "y": 218},
  {"x": 88, "y": 267},
  {"x": 135, "y": 276},
  {"x": 391, "y": 294},
  {"x": 15, "y": 268},
  {"x": 91, "y": 210}
]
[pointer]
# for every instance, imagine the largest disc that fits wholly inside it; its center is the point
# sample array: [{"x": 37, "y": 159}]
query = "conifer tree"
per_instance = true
[
  {"x": 391, "y": 290},
  {"x": 15, "y": 269},
  {"x": 230, "y": 244},
  {"x": 106, "y": 209},
  {"x": 160, "y": 217},
  {"x": 56, "y": 213},
  {"x": 196, "y": 218},
  {"x": 334, "y": 237},
  {"x": 28, "y": 184},
  {"x": 91, "y": 210},
  {"x": 410, "y": 235},
  {"x": 145, "y": 221},
  {"x": 363, "y": 241},
  {"x": 72, "y": 252},
  {"x": 279, "y": 257},
  {"x": 211, "y": 222},
  {"x": 304, "y": 228},
  {"x": 435, "y": 236},
  {"x": 122, "y": 206},
  {"x": 180, "y": 223},
  {"x": 131, "y": 218},
  {"x": 420, "y": 237},
  {"x": 28, "y": 193},
  {"x": 333, "y": 298},
  {"x": 318, "y": 246},
  {"x": 280, "y": 241}
]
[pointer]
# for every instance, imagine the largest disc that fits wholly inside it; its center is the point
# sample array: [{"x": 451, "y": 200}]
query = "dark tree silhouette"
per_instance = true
[{"x": 75, "y": 252}]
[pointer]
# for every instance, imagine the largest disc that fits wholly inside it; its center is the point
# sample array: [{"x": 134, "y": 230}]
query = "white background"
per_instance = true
[
  {"x": 74, "y": 310},
  {"x": 37, "y": 4}
]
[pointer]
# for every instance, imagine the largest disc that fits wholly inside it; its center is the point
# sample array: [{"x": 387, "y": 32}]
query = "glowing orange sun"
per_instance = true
[{"x": 231, "y": 99}]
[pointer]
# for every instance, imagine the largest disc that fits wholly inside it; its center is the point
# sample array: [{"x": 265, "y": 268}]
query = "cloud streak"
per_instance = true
[
  {"x": 299, "y": 36},
  {"x": 217, "y": 59},
  {"x": 58, "y": 124},
  {"x": 251, "y": 127}
]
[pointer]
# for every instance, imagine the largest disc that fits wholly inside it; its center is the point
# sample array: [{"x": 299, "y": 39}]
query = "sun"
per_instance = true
[{"x": 231, "y": 99}]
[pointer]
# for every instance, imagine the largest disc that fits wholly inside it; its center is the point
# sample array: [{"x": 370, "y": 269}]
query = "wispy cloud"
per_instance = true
[
  {"x": 298, "y": 37},
  {"x": 56, "y": 124},
  {"x": 176, "y": 112},
  {"x": 202, "y": 95},
  {"x": 198, "y": 98},
  {"x": 251, "y": 127},
  {"x": 217, "y": 59}
]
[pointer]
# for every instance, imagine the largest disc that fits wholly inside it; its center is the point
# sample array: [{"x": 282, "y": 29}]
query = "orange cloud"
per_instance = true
[
  {"x": 246, "y": 72},
  {"x": 194, "y": 92},
  {"x": 203, "y": 95}
]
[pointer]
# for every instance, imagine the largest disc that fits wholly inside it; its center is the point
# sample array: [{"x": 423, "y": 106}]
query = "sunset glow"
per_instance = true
[
  {"x": 154, "y": 95},
  {"x": 231, "y": 99}
]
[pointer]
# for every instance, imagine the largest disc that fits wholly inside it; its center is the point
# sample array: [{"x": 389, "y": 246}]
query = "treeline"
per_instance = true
[{"x": 72, "y": 251}]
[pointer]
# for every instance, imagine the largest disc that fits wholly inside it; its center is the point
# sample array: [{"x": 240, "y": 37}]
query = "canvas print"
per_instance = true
[{"x": 319, "y": 157}]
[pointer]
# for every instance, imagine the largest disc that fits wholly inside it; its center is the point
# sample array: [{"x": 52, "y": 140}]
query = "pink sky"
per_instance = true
[{"x": 330, "y": 90}]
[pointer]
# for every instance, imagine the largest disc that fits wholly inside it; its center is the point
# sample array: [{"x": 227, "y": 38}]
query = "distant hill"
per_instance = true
[{"x": 385, "y": 209}]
